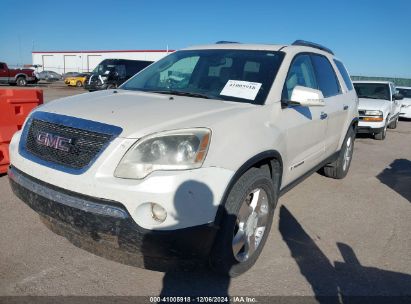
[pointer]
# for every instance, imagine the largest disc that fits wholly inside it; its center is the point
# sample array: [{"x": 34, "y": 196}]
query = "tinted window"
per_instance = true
[
  {"x": 405, "y": 92},
  {"x": 120, "y": 70},
  {"x": 326, "y": 78},
  {"x": 133, "y": 67},
  {"x": 301, "y": 73},
  {"x": 344, "y": 74},
  {"x": 1, "y": 66},
  {"x": 373, "y": 90}
]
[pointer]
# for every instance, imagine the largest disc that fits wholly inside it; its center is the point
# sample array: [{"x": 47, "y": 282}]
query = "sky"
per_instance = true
[{"x": 372, "y": 38}]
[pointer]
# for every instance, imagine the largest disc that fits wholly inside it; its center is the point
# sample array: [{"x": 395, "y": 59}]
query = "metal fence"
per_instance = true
[{"x": 405, "y": 82}]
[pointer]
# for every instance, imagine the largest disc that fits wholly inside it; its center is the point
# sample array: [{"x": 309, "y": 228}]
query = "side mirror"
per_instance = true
[
  {"x": 307, "y": 97},
  {"x": 397, "y": 96}
]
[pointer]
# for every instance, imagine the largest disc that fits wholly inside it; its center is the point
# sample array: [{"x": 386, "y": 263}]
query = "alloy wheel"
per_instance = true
[{"x": 250, "y": 225}]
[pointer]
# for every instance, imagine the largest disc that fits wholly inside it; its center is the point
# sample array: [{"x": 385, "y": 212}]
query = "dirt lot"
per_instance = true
[{"x": 329, "y": 237}]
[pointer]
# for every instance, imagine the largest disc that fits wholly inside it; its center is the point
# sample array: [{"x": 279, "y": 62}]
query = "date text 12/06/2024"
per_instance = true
[{"x": 187, "y": 299}]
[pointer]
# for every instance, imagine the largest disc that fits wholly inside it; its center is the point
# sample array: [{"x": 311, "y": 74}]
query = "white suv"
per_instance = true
[
  {"x": 187, "y": 159},
  {"x": 379, "y": 107},
  {"x": 406, "y": 102}
]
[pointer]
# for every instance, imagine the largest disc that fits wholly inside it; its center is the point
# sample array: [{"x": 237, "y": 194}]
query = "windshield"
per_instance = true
[
  {"x": 373, "y": 90},
  {"x": 109, "y": 69},
  {"x": 405, "y": 92},
  {"x": 234, "y": 75}
]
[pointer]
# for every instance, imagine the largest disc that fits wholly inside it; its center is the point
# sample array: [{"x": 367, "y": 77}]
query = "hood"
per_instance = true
[
  {"x": 372, "y": 104},
  {"x": 406, "y": 101},
  {"x": 142, "y": 113}
]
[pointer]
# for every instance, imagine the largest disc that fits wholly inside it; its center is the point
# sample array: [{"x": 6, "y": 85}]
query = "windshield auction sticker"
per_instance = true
[{"x": 241, "y": 89}]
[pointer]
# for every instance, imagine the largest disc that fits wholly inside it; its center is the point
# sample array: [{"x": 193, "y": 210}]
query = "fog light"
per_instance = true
[{"x": 158, "y": 213}]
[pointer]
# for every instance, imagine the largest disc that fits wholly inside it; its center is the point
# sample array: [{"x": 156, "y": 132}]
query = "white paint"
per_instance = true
[{"x": 239, "y": 132}]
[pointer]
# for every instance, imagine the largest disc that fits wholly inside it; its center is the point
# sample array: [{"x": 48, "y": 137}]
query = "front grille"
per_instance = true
[{"x": 82, "y": 149}]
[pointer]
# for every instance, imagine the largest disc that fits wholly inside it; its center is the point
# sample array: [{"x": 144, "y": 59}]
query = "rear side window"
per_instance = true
[
  {"x": 344, "y": 74},
  {"x": 326, "y": 78},
  {"x": 133, "y": 67}
]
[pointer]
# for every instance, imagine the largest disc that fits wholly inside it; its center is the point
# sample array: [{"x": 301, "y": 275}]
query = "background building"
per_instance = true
[{"x": 85, "y": 61}]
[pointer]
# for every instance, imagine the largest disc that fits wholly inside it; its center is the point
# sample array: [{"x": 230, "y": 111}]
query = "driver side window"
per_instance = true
[{"x": 301, "y": 73}]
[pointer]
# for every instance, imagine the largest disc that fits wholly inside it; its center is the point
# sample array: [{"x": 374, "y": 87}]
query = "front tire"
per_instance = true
[
  {"x": 381, "y": 135},
  {"x": 339, "y": 168},
  {"x": 246, "y": 223},
  {"x": 394, "y": 124},
  {"x": 79, "y": 84}
]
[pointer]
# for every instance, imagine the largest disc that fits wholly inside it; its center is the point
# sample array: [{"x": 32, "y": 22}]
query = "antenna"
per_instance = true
[{"x": 225, "y": 42}]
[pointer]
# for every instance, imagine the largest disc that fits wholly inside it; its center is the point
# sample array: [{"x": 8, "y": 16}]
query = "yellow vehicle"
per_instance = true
[{"x": 77, "y": 81}]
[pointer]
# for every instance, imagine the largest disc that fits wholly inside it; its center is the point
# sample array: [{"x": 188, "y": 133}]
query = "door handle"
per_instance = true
[
  {"x": 345, "y": 108},
  {"x": 323, "y": 115}
]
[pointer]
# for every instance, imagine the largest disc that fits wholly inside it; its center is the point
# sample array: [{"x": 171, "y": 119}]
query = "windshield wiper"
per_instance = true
[
  {"x": 181, "y": 93},
  {"x": 368, "y": 97}
]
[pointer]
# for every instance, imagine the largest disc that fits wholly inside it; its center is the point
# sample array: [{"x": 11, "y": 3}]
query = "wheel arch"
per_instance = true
[
  {"x": 20, "y": 75},
  {"x": 270, "y": 159},
  {"x": 352, "y": 125}
]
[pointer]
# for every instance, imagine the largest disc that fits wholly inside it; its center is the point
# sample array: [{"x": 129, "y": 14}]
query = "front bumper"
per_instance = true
[
  {"x": 370, "y": 127},
  {"x": 32, "y": 80},
  {"x": 95, "y": 87},
  {"x": 86, "y": 220},
  {"x": 190, "y": 197},
  {"x": 370, "y": 130}
]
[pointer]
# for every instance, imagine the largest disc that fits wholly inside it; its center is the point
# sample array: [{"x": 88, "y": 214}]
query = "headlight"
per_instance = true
[
  {"x": 405, "y": 105},
  {"x": 373, "y": 113},
  {"x": 171, "y": 150}
]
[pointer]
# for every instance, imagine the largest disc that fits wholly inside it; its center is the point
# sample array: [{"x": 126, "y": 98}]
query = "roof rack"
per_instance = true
[
  {"x": 224, "y": 42},
  {"x": 313, "y": 45}
]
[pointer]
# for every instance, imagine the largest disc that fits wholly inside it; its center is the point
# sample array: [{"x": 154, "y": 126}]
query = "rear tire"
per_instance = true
[
  {"x": 246, "y": 223},
  {"x": 339, "y": 168},
  {"x": 21, "y": 81}
]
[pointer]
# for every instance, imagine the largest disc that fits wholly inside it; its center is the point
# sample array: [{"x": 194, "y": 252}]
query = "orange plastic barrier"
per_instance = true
[
  {"x": 4, "y": 158},
  {"x": 15, "y": 105}
]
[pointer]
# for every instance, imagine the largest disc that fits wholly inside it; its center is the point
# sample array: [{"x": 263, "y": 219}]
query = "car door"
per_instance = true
[
  {"x": 396, "y": 104},
  {"x": 304, "y": 127},
  {"x": 4, "y": 74},
  {"x": 336, "y": 104}
]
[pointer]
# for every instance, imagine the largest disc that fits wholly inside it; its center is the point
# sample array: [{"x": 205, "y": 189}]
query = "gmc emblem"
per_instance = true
[{"x": 53, "y": 141}]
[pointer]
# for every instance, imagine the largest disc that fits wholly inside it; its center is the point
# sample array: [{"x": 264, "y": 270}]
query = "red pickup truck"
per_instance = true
[{"x": 21, "y": 77}]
